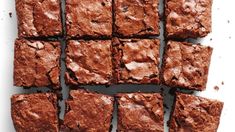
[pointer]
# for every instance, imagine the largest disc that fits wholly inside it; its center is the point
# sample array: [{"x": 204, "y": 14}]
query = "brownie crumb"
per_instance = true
[
  {"x": 10, "y": 14},
  {"x": 216, "y": 88},
  {"x": 222, "y": 82}
]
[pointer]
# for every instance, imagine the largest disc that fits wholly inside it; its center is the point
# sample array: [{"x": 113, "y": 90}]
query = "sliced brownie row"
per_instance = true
[{"x": 89, "y": 111}]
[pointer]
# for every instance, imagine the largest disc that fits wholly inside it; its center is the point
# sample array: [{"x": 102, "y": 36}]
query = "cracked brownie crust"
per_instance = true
[
  {"x": 140, "y": 112},
  {"x": 88, "y": 111},
  {"x": 186, "y": 65},
  {"x": 37, "y": 64},
  {"x": 188, "y": 18},
  {"x": 136, "y": 17},
  {"x": 39, "y": 18},
  {"x": 35, "y": 112},
  {"x": 88, "y": 62},
  {"x": 92, "y": 18},
  {"x": 136, "y": 60},
  {"x": 195, "y": 114}
]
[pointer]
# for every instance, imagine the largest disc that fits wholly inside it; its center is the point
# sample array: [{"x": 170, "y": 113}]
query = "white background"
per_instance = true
[{"x": 222, "y": 69}]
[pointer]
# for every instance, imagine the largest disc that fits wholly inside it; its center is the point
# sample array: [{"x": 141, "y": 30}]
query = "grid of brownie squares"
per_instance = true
[
  {"x": 36, "y": 112},
  {"x": 195, "y": 114},
  {"x": 88, "y": 111},
  {"x": 111, "y": 42},
  {"x": 39, "y": 18}
]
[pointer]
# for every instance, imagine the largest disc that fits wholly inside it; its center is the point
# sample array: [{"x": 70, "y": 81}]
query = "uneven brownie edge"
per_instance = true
[
  {"x": 28, "y": 114},
  {"x": 96, "y": 22},
  {"x": 119, "y": 66},
  {"x": 94, "y": 96},
  {"x": 187, "y": 19},
  {"x": 149, "y": 105},
  {"x": 96, "y": 71},
  {"x": 145, "y": 31},
  {"x": 191, "y": 61},
  {"x": 188, "y": 111},
  {"x": 37, "y": 63},
  {"x": 34, "y": 18}
]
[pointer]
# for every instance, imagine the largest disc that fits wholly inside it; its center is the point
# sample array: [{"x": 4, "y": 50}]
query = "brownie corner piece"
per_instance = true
[
  {"x": 136, "y": 60},
  {"x": 88, "y": 111},
  {"x": 89, "y": 62},
  {"x": 136, "y": 18},
  {"x": 39, "y": 18},
  {"x": 188, "y": 19},
  {"x": 35, "y": 112},
  {"x": 140, "y": 112},
  {"x": 37, "y": 63},
  {"x": 194, "y": 113},
  {"x": 186, "y": 65},
  {"x": 96, "y": 19}
]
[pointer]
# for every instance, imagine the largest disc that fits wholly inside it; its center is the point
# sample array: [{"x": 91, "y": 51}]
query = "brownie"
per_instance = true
[
  {"x": 188, "y": 18},
  {"x": 39, "y": 18},
  {"x": 35, "y": 112},
  {"x": 136, "y": 17},
  {"x": 136, "y": 60},
  {"x": 88, "y": 62},
  {"x": 140, "y": 112},
  {"x": 89, "y": 18},
  {"x": 195, "y": 114},
  {"x": 186, "y": 65},
  {"x": 88, "y": 112},
  {"x": 37, "y": 63}
]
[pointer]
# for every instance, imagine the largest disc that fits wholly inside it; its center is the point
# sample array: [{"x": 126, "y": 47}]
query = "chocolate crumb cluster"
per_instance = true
[{"x": 111, "y": 42}]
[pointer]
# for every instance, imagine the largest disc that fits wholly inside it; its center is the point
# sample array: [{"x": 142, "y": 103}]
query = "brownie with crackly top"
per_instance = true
[
  {"x": 136, "y": 60},
  {"x": 188, "y": 18},
  {"x": 195, "y": 114},
  {"x": 37, "y": 112},
  {"x": 88, "y": 111},
  {"x": 140, "y": 112},
  {"x": 136, "y": 17},
  {"x": 89, "y": 18},
  {"x": 37, "y": 63},
  {"x": 186, "y": 65},
  {"x": 88, "y": 62},
  {"x": 39, "y": 18}
]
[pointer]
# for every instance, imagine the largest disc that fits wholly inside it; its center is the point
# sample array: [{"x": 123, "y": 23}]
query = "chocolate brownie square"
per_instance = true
[
  {"x": 88, "y": 62},
  {"x": 88, "y": 111},
  {"x": 136, "y": 17},
  {"x": 37, "y": 63},
  {"x": 140, "y": 112},
  {"x": 89, "y": 18},
  {"x": 186, "y": 65},
  {"x": 39, "y": 18},
  {"x": 195, "y": 114},
  {"x": 35, "y": 112},
  {"x": 136, "y": 60},
  {"x": 188, "y": 18}
]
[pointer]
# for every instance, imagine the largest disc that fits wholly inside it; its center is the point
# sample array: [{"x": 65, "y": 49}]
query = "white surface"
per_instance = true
[{"x": 222, "y": 66}]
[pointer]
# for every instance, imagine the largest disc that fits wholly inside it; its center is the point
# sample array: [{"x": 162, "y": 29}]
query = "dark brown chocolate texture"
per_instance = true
[
  {"x": 136, "y": 17},
  {"x": 88, "y": 112},
  {"x": 140, "y": 112},
  {"x": 91, "y": 18},
  {"x": 136, "y": 60},
  {"x": 35, "y": 112},
  {"x": 38, "y": 18},
  {"x": 195, "y": 114},
  {"x": 37, "y": 63},
  {"x": 88, "y": 62},
  {"x": 186, "y": 65},
  {"x": 188, "y": 18}
]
